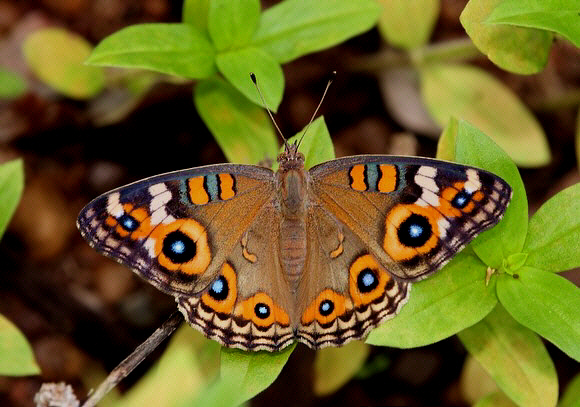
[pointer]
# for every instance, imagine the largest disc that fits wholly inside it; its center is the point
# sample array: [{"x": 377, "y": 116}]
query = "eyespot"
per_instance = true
[
  {"x": 222, "y": 293},
  {"x": 130, "y": 222},
  {"x": 412, "y": 230},
  {"x": 367, "y": 280},
  {"x": 326, "y": 307},
  {"x": 182, "y": 246},
  {"x": 262, "y": 311}
]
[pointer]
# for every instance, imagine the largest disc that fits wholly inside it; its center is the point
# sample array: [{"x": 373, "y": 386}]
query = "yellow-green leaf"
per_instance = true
[
  {"x": 472, "y": 94},
  {"x": 57, "y": 57},
  {"x": 16, "y": 357},
  {"x": 242, "y": 129},
  {"x": 516, "y": 49},
  {"x": 333, "y": 367},
  {"x": 408, "y": 23},
  {"x": 515, "y": 357},
  {"x": 187, "y": 366},
  {"x": 11, "y": 186}
]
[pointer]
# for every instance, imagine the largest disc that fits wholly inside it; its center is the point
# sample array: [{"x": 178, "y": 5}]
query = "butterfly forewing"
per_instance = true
[
  {"x": 175, "y": 230},
  {"x": 413, "y": 213}
]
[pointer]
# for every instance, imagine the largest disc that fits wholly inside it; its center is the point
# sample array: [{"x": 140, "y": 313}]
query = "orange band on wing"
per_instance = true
[
  {"x": 227, "y": 189},
  {"x": 197, "y": 192},
  {"x": 357, "y": 177},
  {"x": 388, "y": 178}
]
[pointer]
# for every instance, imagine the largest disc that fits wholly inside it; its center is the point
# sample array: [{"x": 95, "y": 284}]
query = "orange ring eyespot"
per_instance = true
[
  {"x": 262, "y": 311},
  {"x": 182, "y": 246},
  {"x": 411, "y": 230},
  {"x": 326, "y": 307},
  {"x": 223, "y": 292},
  {"x": 367, "y": 280}
]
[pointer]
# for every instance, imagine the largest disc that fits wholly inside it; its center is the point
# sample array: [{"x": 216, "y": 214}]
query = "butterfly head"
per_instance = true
[{"x": 291, "y": 158}]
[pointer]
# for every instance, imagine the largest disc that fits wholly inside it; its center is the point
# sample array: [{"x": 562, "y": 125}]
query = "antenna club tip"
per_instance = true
[{"x": 253, "y": 77}]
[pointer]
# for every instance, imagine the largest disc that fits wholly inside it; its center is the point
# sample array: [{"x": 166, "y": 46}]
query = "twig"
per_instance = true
[{"x": 133, "y": 360}]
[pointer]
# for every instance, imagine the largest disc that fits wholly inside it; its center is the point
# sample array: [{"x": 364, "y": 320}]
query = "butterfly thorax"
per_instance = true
[{"x": 292, "y": 182}]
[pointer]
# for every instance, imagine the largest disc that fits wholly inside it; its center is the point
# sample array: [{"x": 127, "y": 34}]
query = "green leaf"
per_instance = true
[
  {"x": 496, "y": 399},
  {"x": 12, "y": 85},
  {"x": 492, "y": 246},
  {"x": 553, "y": 240},
  {"x": 236, "y": 67},
  {"x": 316, "y": 145},
  {"x": 440, "y": 306},
  {"x": 546, "y": 303},
  {"x": 472, "y": 94},
  {"x": 560, "y": 16},
  {"x": 408, "y": 24},
  {"x": 446, "y": 143},
  {"x": 515, "y": 357},
  {"x": 516, "y": 49},
  {"x": 571, "y": 396},
  {"x": 242, "y": 129},
  {"x": 11, "y": 186},
  {"x": 334, "y": 367},
  {"x": 475, "y": 382},
  {"x": 16, "y": 357},
  {"x": 248, "y": 373},
  {"x": 293, "y": 28},
  {"x": 188, "y": 364},
  {"x": 177, "y": 49},
  {"x": 232, "y": 23},
  {"x": 195, "y": 12},
  {"x": 56, "y": 56}
]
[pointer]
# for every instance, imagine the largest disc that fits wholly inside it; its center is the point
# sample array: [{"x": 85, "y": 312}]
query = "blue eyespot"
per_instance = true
[
  {"x": 219, "y": 289},
  {"x": 367, "y": 280},
  {"x": 415, "y": 230},
  {"x": 461, "y": 199},
  {"x": 178, "y": 247},
  {"x": 326, "y": 307},
  {"x": 262, "y": 310},
  {"x": 128, "y": 222}
]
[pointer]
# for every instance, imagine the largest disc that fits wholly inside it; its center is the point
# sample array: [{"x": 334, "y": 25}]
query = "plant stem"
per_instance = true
[
  {"x": 135, "y": 358},
  {"x": 448, "y": 51}
]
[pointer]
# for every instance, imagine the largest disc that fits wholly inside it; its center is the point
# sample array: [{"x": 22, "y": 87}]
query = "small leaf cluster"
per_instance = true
[
  {"x": 220, "y": 42},
  {"x": 16, "y": 357}
]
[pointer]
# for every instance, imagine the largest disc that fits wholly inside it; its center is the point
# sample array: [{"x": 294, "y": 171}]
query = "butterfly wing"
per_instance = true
[
  {"x": 249, "y": 305},
  {"x": 413, "y": 214},
  {"x": 175, "y": 230},
  {"x": 344, "y": 291}
]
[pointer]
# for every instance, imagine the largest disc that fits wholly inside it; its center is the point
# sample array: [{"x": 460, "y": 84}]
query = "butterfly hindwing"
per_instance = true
[
  {"x": 176, "y": 229},
  {"x": 414, "y": 214},
  {"x": 249, "y": 305},
  {"x": 344, "y": 291}
]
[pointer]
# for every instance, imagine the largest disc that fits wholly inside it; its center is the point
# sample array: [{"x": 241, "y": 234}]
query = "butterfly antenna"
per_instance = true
[
  {"x": 253, "y": 77},
  {"x": 332, "y": 76}
]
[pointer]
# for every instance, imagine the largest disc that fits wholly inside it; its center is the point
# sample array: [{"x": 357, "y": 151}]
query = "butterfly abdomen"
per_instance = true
[{"x": 293, "y": 249}]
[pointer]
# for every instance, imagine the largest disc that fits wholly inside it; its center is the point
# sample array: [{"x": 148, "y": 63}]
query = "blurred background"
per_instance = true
[{"x": 83, "y": 313}]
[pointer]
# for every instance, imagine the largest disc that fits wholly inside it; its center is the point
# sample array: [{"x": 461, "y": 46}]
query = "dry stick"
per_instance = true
[{"x": 133, "y": 360}]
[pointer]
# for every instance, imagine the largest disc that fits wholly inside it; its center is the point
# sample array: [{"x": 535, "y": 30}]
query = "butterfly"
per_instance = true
[{"x": 258, "y": 259}]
